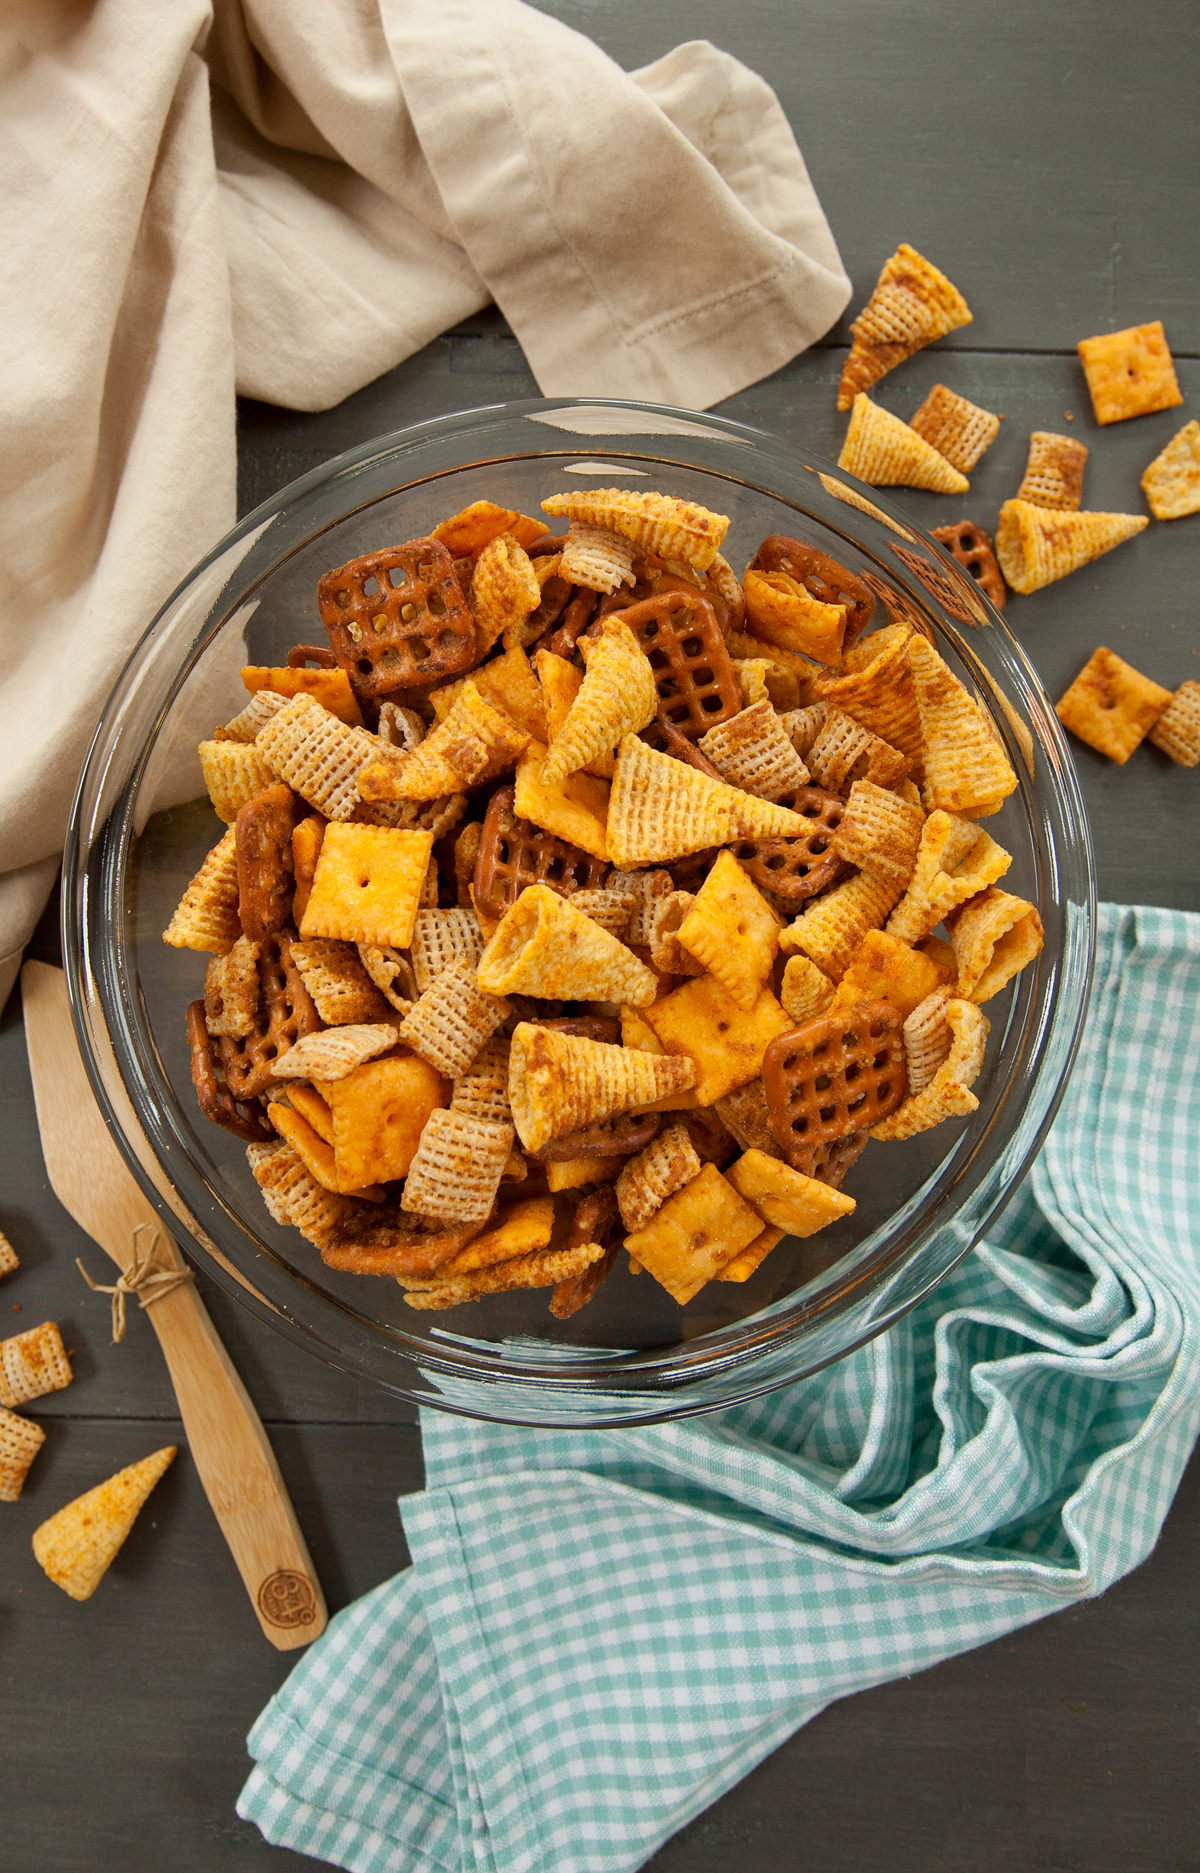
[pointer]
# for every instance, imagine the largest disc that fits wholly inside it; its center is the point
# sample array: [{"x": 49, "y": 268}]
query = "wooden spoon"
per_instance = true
[{"x": 225, "y": 1435}]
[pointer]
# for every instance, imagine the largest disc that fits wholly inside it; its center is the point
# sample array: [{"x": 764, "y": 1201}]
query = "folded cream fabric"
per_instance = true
[{"x": 288, "y": 197}]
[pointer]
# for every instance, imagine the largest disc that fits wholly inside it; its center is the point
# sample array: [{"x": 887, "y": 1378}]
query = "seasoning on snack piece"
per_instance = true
[
  {"x": 722, "y": 1044},
  {"x": 617, "y": 697},
  {"x": 547, "y": 1268},
  {"x": 574, "y": 810},
  {"x": 831, "y": 930},
  {"x": 367, "y": 887},
  {"x": 697, "y": 1230},
  {"x": 957, "y": 429},
  {"x": 658, "y": 523},
  {"x": 927, "y": 1038},
  {"x": 378, "y": 1112},
  {"x": 292, "y": 1195},
  {"x": 1177, "y": 730},
  {"x": 1054, "y": 472},
  {"x": 785, "y": 613},
  {"x": 948, "y": 1095},
  {"x": 331, "y": 688},
  {"x": 319, "y": 757},
  {"x": 473, "y": 743},
  {"x": 76, "y": 1547},
  {"x": 32, "y": 1364},
  {"x": 504, "y": 591},
  {"x": 612, "y": 910},
  {"x": 1111, "y": 706},
  {"x": 442, "y": 937},
  {"x": 994, "y": 935},
  {"x": 20, "y": 1441},
  {"x": 231, "y": 990},
  {"x": 245, "y": 725},
  {"x": 752, "y": 751},
  {"x": 457, "y": 1167},
  {"x": 522, "y": 1230},
  {"x": 732, "y": 931},
  {"x": 597, "y": 557},
  {"x": 314, "y": 1152},
  {"x": 660, "y": 809},
  {"x": 545, "y": 947},
  {"x": 1172, "y": 481},
  {"x": 822, "y": 578},
  {"x": 971, "y": 545},
  {"x": 558, "y": 1083},
  {"x": 745, "y": 1115},
  {"x": 845, "y": 751},
  {"x": 9, "y": 1259},
  {"x": 1130, "y": 373},
  {"x": 467, "y": 533},
  {"x": 266, "y": 866},
  {"x": 966, "y": 769},
  {"x": 747, "y": 1260},
  {"x": 452, "y": 1019},
  {"x": 884, "y": 451},
  {"x": 342, "y": 992},
  {"x": 842, "y": 1071},
  {"x": 664, "y": 1167},
  {"x": 912, "y": 305},
  {"x": 955, "y": 860},
  {"x": 879, "y": 832},
  {"x": 806, "y": 990},
  {"x": 785, "y": 1197},
  {"x": 667, "y": 953},
  {"x": 884, "y": 969}
]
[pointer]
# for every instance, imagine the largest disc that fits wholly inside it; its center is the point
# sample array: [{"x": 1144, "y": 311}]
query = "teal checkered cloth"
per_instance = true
[{"x": 602, "y": 1631}]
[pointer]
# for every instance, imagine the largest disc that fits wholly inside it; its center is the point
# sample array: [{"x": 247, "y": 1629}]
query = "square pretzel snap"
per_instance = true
[{"x": 367, "y": 885}]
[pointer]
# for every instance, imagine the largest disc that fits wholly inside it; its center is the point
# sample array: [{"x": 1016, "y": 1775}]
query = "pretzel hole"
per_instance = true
[
  {"x": 419, "y": 647},
  {"x": 828, "y": 1114},
  {"x": 822, "y": 1082},
  {"x": 397, "y": 575},
  {"x": 370, "y": 587},
  {"x": 365, "y": 666},
  {"x": 447, "y": 640},
  {"x": 380, "y": 623},
  {"x": 435, "y": 603},
  {"x": 818, "y": 846},
  {"x": 408, "y": 612},
  {"x": 879, "y": 1061},
  {"x": 553, "y": 873},
  {"x": 425, "y": 570},
  {"x": 658, "y": 659},
  {"x": 694, "y": 647},
  {"x": 710, "y": 704}
]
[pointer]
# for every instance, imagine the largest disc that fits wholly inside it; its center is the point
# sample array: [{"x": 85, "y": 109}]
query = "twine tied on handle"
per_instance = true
[{"x": 144, "y": 1278}]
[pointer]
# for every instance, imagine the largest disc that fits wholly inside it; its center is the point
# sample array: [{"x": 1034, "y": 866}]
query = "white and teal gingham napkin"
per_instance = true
[{"x": 602, "y": 1631}]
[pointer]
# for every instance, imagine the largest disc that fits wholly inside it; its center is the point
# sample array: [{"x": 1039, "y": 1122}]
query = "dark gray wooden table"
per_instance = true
[{"x": 1046, "y": 157}]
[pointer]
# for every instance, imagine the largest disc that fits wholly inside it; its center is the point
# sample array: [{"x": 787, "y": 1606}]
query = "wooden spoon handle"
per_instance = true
[{"x": 240, "y": 1475}]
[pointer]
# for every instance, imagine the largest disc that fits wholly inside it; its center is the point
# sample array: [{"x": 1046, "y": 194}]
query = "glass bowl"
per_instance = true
[{"x": 142, "y": 825}]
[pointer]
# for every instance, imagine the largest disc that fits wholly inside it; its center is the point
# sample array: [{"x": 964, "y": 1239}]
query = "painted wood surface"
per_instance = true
[{"x": 1047, "y": 158}]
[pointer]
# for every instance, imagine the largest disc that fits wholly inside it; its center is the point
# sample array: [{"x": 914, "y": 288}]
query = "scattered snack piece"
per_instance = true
[
  {"x": 957, "y": 429},
  {"x": 617, "y": 697},
  {"x": 913, "y": 304},
  {"x": 994, "y": 936},
  {"x": 544, "y": 946},
  {"x": 971, "y": 545},
  {"x": 33, "y": 1364},
  {"x": 572, "y": 1173},
  {"x": 1172, "y": 481},
  {"x": 879, "y": 832},
  {"x": 9, "y": 1259},
  {"x": 831, "y": 931},
  {"x": 263, "y": 704},
  {"x": 515, "y": 853},
  {"x": 548, "y": 1268},
  {"x": 948, "y": 1095},
  {"x": 927, "y": 1039},
  {"x": 753, "y": 751},
  {"x": 457, "y": 1167},
  {"x": 887, "y": 970},
  {"x": 367, "y": 887},
  {"x": 343, "y": 993},
  {"x": 232, "y": 990},
  {"x": 574, "y": 810},
  {"x": 842, "y": 1072},
  {"x": 306, "y": 847},
  {"x": 20, "y": 1441},
  {"x": 806, "y": 990},
  {"x": 293, "y": 1195},
  {"x": 658, "y": 523},
  {"x": 452, "y": 1019},
  {"x": 966, "y": 769},
  {"x": 660, "y": 809},
  {"x": 1054, "y": 472},
  {"x": 1177, "y": 730},
  {"x": 723, "y": 1044},
  {"x": 955, "y": 859},
  {"x": 334, "y": 1052},
  {"x": 612, "y": 910},
  {"x": 391, "y": 973},
  {"x": 331, "y": 688},
  {"x": 694, "y": 1234},
  {"x": 206, "y": 916},
  {"x": 746, "y": 1118},
  {"x": 597, "y": 558},
  {"x": 76, "y": 1547},
  {"x": 1111, "y": 706},
  {"x": 504, "y": 591},
  {"x": 884, "y": 451},
  {"x": 785, "y": 1197},
  {"x": 1037, "y": 545},
  {"x": 646, "y": 1182},
  {"x": 1130, "y": 373},
  {"x": 558, "y": 1083},
  {"x": 398, "y": 618},
  {"x": 378, "y": 1112},
  {"x": 732, "y": 931},
  {"x": 234, "y": 771},
  {"x": 666, "y": 951},
  {"x": 467, "y": 533}
]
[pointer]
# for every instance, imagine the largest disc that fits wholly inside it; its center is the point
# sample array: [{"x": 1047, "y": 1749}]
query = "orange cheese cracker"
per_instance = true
[
  {"x": 1111, "y": 706},
  {"x": 1130, "y": 373},
  {"x": 367, "y": 885},
  {"x": 331, "y": 688}
]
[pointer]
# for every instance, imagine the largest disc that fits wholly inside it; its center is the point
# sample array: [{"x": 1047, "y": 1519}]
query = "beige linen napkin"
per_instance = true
[{"x": 290, "y": 197}]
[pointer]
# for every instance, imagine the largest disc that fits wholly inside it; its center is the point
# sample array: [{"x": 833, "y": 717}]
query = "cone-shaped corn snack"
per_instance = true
[
  {"x": 473, "y": 743},
  {"x": 1172, "y": 481},
  {"x": 875, "y": 686},
  {"x": 966, "y": 770},
  {"x": 956, "y": 428},
  {"x": 912, "y": 305},
  {"x": 658, "y": 523},
  {"x": 545, "y": 947},
  {"x": 994, "y": 936},
  {"x": 661, "y": 809},
  {"x": 879, "y": 448},
  {"x": 77, "y": 1546},
  {"x": 1036, "y": 545},
  {"x": 560, "y": 1082},
  {"x": 955, "y": 859},
  {"x": 831, "y": 931},
  {"x": 504, "y": 589},
  {"x": 617, "y": 697}
]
